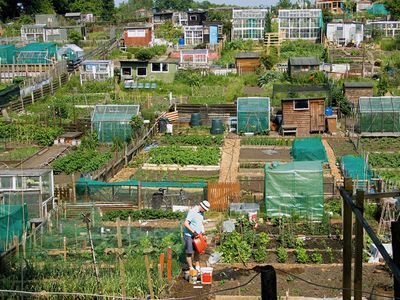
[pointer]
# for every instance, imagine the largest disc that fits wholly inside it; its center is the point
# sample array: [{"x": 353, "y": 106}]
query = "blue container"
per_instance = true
[
  {"x": 278, "y": 120},
  {"x": 328, "y": 111},
  {"x": 181, "y": 42}
]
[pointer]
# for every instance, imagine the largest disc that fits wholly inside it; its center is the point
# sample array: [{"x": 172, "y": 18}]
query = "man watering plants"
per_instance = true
[{"x": 193, "y": 232}]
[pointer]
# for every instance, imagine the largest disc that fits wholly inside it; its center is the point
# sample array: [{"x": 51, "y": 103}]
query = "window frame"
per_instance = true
[
  {"x": 301, "y": 101},
  {"x": 122, "y": 71},
  {"x": 137, "y": 71}
]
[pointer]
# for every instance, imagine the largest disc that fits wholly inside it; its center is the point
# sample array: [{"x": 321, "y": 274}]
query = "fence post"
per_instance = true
[
  {"x": 347, "y": 234},
  {"x": 359, "y": 230},
  {"x": 395, "y": 228}
]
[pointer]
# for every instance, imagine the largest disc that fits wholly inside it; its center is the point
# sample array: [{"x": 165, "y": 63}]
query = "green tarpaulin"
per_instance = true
[
  {"x": 308, "y": 149},
  {"x": 13, "y": 220}
]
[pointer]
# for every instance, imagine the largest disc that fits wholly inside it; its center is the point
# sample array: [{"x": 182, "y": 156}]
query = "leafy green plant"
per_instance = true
[
  {"x": 205, "y": 156},
  {"x": 266, "y": 141},
  {"x": 329, "y": 252},
  {"x": 234, "y": 248},
  {"x": 193, "y": 140},
  {"x": 287, "y": 239},
  {"x": 302, "y": 256},
  {"x": 316, "y": 258},
  {"x": 282, "y": 255},
  {"x": 82, "y": 160},
  {"x": 300, "y": 243},
  {"x": 261, "y": 253}
]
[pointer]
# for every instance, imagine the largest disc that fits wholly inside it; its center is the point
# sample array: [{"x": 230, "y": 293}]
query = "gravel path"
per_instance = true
[{"x": 230, "y": 160}]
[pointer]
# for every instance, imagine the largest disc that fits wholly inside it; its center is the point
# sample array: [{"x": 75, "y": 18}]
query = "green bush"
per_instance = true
[
  {"x": 234, "y": 248},
  {"x": 316, "y": 258},
  {"x": 143, "y": 214},
  {"x": 282, "y": 255}
]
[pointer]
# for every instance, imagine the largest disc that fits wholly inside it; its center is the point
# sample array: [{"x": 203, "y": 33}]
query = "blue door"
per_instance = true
[{"x": 213, "y": 34}]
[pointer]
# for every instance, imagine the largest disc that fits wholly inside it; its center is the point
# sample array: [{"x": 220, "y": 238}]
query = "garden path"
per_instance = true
[
  {"x": 332, "y": 161},
  {"x": 124, "y": 175},
  {"x": 230, "y": 159},
  {"x": 44, "y": 157}
]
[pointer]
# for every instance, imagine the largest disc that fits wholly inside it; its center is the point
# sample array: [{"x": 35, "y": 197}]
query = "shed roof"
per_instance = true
[
  {"x": 358, "y": 84},
  {"x": 313, "y": 98},
  {"x": 73, "y": 47},
  {"x": 304, "y": 61},
  {"x": 248, "y": 55},
  {"x": 24, "y": 172},
  {"x": 73, "y": 14},
  {"x": 114, "y": 113},
  {"x": 36, "y": 47},
  {"x": 88, "y": 62},
  {"x": 138, "y": 26}
]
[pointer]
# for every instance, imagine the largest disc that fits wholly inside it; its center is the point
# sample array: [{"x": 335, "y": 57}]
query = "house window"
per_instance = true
[
  {"x": 300, "y": 105},
  {"x": 126, "y": 71},
  {"x": 193, "y": 18},
  {"x": 159, "y": 67},
  {"x": 136, "y": 33},
  {"x": 141, "y": 72}
]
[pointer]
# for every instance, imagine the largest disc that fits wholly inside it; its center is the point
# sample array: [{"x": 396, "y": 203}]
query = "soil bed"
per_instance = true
[
  {"x": 264, "y": 154},
  {"x": 375, "y": 279}
]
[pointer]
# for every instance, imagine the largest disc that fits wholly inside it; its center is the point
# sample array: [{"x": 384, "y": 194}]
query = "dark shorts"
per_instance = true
[{"x": 188, "y": 244}]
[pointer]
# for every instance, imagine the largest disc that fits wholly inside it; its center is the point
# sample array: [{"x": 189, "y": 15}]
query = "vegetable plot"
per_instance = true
[
  {"x": 204, "y": 156},
  {"x": 193, "y": 140},
  {"x": 384, "y": 160},
  {"x": 265, "y": 141}
]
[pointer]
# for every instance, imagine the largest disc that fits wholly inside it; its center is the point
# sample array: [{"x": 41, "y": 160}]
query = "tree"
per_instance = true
[
  {"x": 168, "y": 32},
  {"x": 284, "y": 4},
  {"x": 393, "y": 6},
  {"x": 270, "y": 59},
  {"x": 108, "y": 10},
  {"x": 74, "y": 36},
  {"x": 268, "y": 23}
]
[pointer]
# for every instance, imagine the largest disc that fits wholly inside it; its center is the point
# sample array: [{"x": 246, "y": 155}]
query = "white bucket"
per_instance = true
[{"x": 206, "y": 275}]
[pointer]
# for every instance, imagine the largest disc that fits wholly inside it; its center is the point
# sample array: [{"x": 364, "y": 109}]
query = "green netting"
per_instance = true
[
  {"x": 378, "y": 9},
  {"x": 253, "y": 115},
  {"x": 127, "y": 192},
  {"x": 7, "y": 54},
  {"x": 36, "y": 53},
  {"x": 13, "y": 219},
  {"x": 308, "y": 149},
  {"x": 356, "y": 168},
  {"x": 379, "y": 114},
  {"x": 295, "y": 189},
  {"x": 112, "y": 121}
]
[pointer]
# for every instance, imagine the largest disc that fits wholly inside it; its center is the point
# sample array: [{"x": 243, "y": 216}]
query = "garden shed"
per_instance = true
[
  {"x": 295, "y": 188},
  {"x": 379, "y": 116},
  {"x": 97, "y": 70},
  {"x": 7, "y": 54},
  {"x": 303, "y": 115},
  {"x": 253, "y": 114},
  {"x": 33, "y": 187},
  {"x": 70, "y": 52},
  {"x": 247, "y": 62},
  {"x": 308, "y": 149},
  {"x": 37, "y": 53},
  {"x": 354, "y": 90},
  {"x": 302, "y": 65},
  {"x": 113, "y": 121}
]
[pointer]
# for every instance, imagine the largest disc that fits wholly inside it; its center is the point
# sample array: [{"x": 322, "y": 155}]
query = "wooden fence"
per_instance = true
[{"x": 221, "y": 194}]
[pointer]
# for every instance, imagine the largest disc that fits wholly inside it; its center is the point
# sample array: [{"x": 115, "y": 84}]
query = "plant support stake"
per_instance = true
[{"x": 86, "y": 219}]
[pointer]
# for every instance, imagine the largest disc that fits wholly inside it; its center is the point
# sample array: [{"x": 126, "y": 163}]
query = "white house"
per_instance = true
[{"x": 345, "y": 33}]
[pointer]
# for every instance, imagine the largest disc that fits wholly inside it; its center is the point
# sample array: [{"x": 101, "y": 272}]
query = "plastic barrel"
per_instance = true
[
  {"x": 195, "y": 119},
  {"x": 217, "y": 127},
  {"x": 328, "y": 111},
  {"x": 163, "y": 125},
  {"x": 278, "y": 120},
  {"x": 181, "y": 42}
]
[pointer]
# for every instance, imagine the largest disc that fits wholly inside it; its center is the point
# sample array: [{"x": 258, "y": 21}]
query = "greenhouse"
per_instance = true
[
  {"x": 253, "y": 115},
  {"x": 33, "y": 187},
  {"x": 7, "y": 54},
  {"x": 356, "y": 168},
  {"x": 295, "y": 188},
  {"x": 113, "y": 121},
  {"x": 13, "y": 221},
  {"x": 308, "y": 149},
  {"x": 304, "y": 24},
  {"x": 70, "y": 52},
  {"x": 37, "y": 53},
  {"x": 379, "y": 115}
]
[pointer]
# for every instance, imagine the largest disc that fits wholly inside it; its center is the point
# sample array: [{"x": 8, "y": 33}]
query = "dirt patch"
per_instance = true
[
  {"x": 342, "y": 147},
  {"x": 375, "y": 278},
  {"x": 264, "y": 154},
  {"x": 165, "y": 175},
  {"x": 123, "y": 175},
  {"x": 230, "y": 160}
]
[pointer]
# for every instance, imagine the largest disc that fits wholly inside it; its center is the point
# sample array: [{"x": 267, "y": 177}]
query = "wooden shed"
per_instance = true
[
  {"x": 302, "y": 65},
  {"x": 138, "y": 35},
  {"x": 354, "y": 90},
  {"x": 303, "y": 115},
  {"x": 247, "y": 62}
]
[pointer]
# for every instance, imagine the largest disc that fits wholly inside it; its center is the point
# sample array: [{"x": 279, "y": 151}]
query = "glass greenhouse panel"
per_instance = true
[{"x": 253, "y": 115}]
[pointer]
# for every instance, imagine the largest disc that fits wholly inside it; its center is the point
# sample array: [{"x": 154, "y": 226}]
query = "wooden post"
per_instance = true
[
  {"x": 139, "y": 195},
  {"x": 149, "y": 284},
  {"x": 128, "y": 230},
  {"x": 34, "y": 235},
  {"x": 161, "y": 269},
  {"x": 16, "y": 245},
  {"x": 65, "y": 248},
  {"x": 24, "y": 244},
  {"x": 347, "y": 249},
  {"x": 169, "y": 266},
  {"x": 119, "y": 237},
  {"x": 359, "y": 245},
  {"x": 122, "y": 276},
  {"x": 395, "y": 228},
  {"x": 73, "y": 187}
]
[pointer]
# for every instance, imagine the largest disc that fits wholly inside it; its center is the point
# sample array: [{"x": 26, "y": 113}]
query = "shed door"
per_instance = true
[{"x": 317, "y": 116}]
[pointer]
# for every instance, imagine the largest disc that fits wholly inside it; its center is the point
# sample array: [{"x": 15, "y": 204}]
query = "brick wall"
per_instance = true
[{"x": 138, "y": 41}]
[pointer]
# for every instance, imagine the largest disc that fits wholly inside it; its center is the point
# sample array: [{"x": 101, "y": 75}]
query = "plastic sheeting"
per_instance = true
[
  {"x": 295, "y": 189},
  {"x": 253, "y": 115},
  {"x": 356, "y": 168},
  {"x": 13, "y": 220}
]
